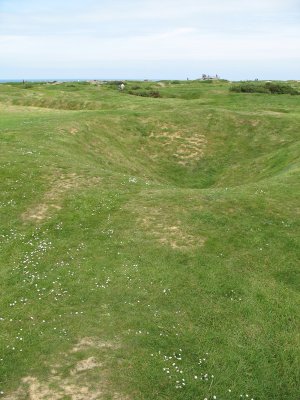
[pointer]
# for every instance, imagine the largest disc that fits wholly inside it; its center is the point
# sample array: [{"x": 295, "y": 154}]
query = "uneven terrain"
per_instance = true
[{"x": 149, "y": 244}]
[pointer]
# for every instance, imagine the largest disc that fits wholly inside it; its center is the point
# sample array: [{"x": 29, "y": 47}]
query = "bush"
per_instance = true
[
  {"x": 280, "y": 88},
  {"x": 27, "y": 86},
  {"x": 268, "y": 87},
  {"x": 249, "y": 88},
  {"x": 154, "y": 93},
  {"x": 114, "y": 83},
  {"x": 151, "y": 93}
]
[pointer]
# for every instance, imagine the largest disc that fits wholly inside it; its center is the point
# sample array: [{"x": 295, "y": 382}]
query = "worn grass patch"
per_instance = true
[
  {"x": 185, "y": 145},
  {"x": 59, "y": 186},
  {"x": 75, "y": 378}
]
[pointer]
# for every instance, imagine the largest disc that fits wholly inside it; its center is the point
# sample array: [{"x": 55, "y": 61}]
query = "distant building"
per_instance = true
[{"x": 209, "y": 77}]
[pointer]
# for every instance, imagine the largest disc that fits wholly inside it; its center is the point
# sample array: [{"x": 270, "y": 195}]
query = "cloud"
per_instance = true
[
  {"x": 35, "y": 17},
  {"x": 182, "y": 43},
  {"x": 90, "y": 33}
]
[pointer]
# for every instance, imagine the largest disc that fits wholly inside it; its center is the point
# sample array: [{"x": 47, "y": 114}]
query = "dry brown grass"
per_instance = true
[
  {"x": 52, "y": 200},
  {"x": 168, "y": 231},
  {"x": 96, "y": 343},
  {"x": 77, "y": 385},
  {"x": 185, "y": 145}
]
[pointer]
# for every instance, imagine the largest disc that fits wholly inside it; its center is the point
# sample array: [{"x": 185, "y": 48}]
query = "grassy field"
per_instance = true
[{"x": 149, "y": 242}]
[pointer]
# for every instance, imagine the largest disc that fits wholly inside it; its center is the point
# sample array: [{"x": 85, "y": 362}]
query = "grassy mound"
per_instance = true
[{"x": 148, "y": 244}]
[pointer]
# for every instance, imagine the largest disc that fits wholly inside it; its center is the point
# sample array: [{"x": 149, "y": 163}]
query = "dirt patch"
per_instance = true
[
  {"x": 72, "y": 129},
  {"x": 185, "y": 145},
  {"x": 85, "y": 365},
  {"x": 53, "y": 197},
  {"x": 54, "y": 389},
  {"x": 82, "y": 393},
  {"x": 37, "y": 390},
  {"x": 32, "y": 389},
  {"x": 87, "y": 342},
  {"x": 88, "y": 380},
  {"x": 168, "y": 232},
  {"x": 275, "y": 113},
  {"x": 163, "y": 216}
]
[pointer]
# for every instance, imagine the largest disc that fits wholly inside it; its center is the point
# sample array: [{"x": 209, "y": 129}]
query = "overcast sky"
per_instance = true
[{"x": 154, "y": 39}]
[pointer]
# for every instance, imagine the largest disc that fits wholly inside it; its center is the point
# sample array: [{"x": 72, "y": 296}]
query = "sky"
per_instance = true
[{"x": 149, "y": 39}]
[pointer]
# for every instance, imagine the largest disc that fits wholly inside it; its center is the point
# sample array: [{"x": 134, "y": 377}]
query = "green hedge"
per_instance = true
[{"x": 266, "y": 87}]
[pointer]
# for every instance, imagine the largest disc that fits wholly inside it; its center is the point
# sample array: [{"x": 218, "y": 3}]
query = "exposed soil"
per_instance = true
[
  {"x": 78, "y": 384},
  {"x": 186, "y": 146},
  {"x": 167, "y": 232},
  {"x": 53, "y": 197}
]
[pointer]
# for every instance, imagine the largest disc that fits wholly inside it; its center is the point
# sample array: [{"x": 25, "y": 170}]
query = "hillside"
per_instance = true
[{"x": 149, "y": 242}]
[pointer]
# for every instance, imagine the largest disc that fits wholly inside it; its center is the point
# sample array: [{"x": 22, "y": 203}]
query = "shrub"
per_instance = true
[
  {"x": 27, "y": 86},
  {"x": 145, "y": 93},
  {"x": 154, "y": 93},
  {"x": 268, "y": 87},
  {"x": 280, "y": 88},
  {"x": 249, "y": 88},
  {"x": 114, "y": 83}
]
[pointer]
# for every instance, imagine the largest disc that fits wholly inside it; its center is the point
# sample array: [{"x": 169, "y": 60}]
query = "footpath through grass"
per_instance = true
[{"x": 149, "y": 246}]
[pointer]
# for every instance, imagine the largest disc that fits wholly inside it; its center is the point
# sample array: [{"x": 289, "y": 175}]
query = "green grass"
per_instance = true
[{"x": 165, "y": 229}]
